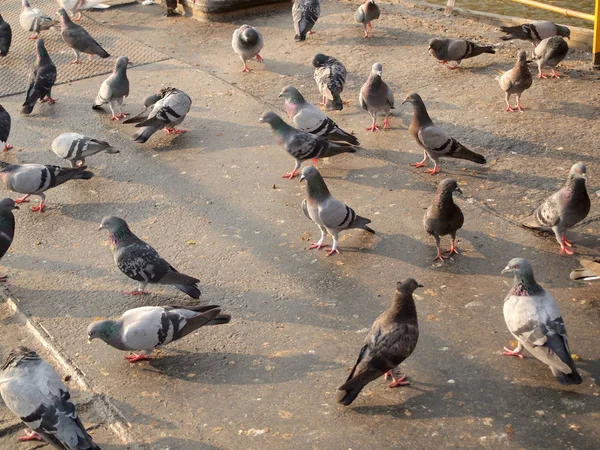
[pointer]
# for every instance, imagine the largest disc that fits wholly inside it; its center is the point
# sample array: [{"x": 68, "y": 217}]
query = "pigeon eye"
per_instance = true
[{"x": 516, "y": 266}]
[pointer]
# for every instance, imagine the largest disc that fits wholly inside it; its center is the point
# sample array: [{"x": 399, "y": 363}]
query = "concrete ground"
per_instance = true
[{"x": 213, "y": 203}]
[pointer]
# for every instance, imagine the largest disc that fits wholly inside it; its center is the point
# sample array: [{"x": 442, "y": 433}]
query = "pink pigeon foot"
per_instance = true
[
  {"x": 332, "y": 251},
  {"x": 30, "y": 435},
  {"x": 50, "y": 100},
  {"x": 170, "y": 130},
  {"x": 34, "y": 37},
  {"x": 508, "y": 352},
  {"x": 246, "y": 68},
  {"x": 554, "y": 74},
  {"x": 317, "y": 246},
  {"x": 433, "y": 171},
  {"x": 290, "y": 175},
  {"x": 135, "y": 292},
  {"x": 453, "y": 249},
  {"x": 564, "y": 250},
  {"x": 568, "y": 243},
  {"x": 22, "y": 200},
  {"x": 439, "y": 256},
  {"x": 7, "y": 147},
  {"x": 90, "y": 57},
  {"x": 75, "y": 61},
  {"x": 134, "y": 358},
  {"x": 399, "y": 382},
  {"x": 387, "y": 375},
  {"x": 508, "y": 108},
  {"x": 39, "y": 208},
  {"x": 542, "y": 76},
  {"x": 259, "y": 58},
  {"x": 452, "y": 67},
  {"x": 420, "y": 164},
  {"x": 373, "y": 128},
  {"x": 312, "y": 32},
  {"x": 441, "y": 61},
  {"x": 386, "y": 123}
]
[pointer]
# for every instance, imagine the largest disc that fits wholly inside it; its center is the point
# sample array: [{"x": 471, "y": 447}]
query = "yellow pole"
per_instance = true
[
  {"x": 557, "y": 9},
  {"x": 596, "y": 47}
]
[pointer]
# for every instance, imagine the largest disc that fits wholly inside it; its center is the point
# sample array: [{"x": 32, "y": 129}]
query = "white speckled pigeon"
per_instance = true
[
  {"x": 140, "y": 262},
  {"x": 114, "y": 89},
  {"x": 247, "y": 42},
  {"x": 78, "y": 39},
  {"x": 535, "y": 31},
  {"x": 563, "y": 209},
  {"x": 4, "y": 129},
  {"x": 308, "y": 117},
  {"x": 392, "y": 339},
  {"x": 41, "y": 80},
  {"x": 5, "y": 37},
  {"x": 445, "y": 50},
  {"x": 34, "y": 392},
  {"x": 7, "y": 227},
  {"x": 143, "y": 329},
  {"x": 330, "y": 76},
  {"x": 34, "y": 20},
  {"x": 516, "y": 81},
  {"x": 436, "y": 142},
  {"x": 72, "y": 6},
  {"x": 76, "y": 147},
  {"x": 365, "y": 14},
  {"x": 36, "y": 179},
  {"x": 305, "y": 14},
  {"x": 376, "y": 97},
  {"x": 301, "y": 144},
  {"x": 549, "y": 53},
  {"x": 589, "y": 272},
  {"x": 533, "y": 318},
  {"x": 328, "y": 213}
]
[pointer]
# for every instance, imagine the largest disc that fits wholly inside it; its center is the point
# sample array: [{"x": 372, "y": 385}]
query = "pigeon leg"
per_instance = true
[
  {"x": 312, "y": 32},
  {"x": 319, "y": 244},
  {"x": 77, "y": 18},
  {"x": 554, "y": 74},
  {"x": 259, "y": 58},
  {"x": 439, "y": 255},
  {"x": 90, "y": 57},
  {"x": 76, "y": 60},
  {"x": 387, "y": 375},
  {"x": 246, "y": 68},
  {"x": 7, "y": 147},
  {"x": 453, "y": 248},
  {"x": 421, "y": 163},
  {"x": 35, "y": 36},
  {"x": 564, "y": 239},
  {"x": 386, "y": 123},
  {"x": 112, "y": 110},
  {"x": 435, "y": 169},
  {"x": 455, "y": 66},
  {"x": 41, "y": 206},
  {"x": 441, "y": 61},
  {"x": 541, "y": 75},
  {"x": 294, "y": 172},
  {"x": 31, "y": 435},
  {"x": 519, "y": 104},
  {"x": 334, "y": 248},
  {"x": 121, "y": 114},
  {"x": 516, "y": 352},
  {"x": 399, "y": 381},
  {"x": 49, "y": 99},
  {"x": 373, "y": 127},
  {"x": 564, "y": 250},
  {"x": 507, "y": 98},
  {"x": 23, "y": 199},
  {"x": 316, "y": 162},
  {"x": 134, "y": 358}
]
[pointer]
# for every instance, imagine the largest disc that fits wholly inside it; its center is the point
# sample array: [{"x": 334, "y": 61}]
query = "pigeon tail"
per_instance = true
[
  {"x": 78, "y": 173},
  {"x": 191, "y": 290},
  {"x": 348, "y": 391},
  {"x": 144, "y": 134},
  {"x": 221, "y": 319},
  {"x": 336, "y": 103},
  {"x": 567, "y": 378},
  {"x": 480, "y": 49},
  {"x": 361, "y": 222},
  {"x": 197, "y": 322},
  {"x": 337, "y": 148},
  {"x": 183, "y": 282},
  {"x": 515, "y": 32},
  {"x": 340, "y": 135},
  {"x": 464, "y": 153}
]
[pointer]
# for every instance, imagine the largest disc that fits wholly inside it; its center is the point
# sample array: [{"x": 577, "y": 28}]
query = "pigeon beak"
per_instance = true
[
  {"x": 101, "y": 227},
  {"x": 584, "y": 176},
  {"x": 261, "y": 120},
  {"x": 458, "y": 190},
  {"x": 506, "y": 269},
  {"x": 404, "y": 101},
  {"x": 129, "y": 63},
  {"x": 420, "y": 285},
  {"x": 379, "y": 72},
  {"x": 15, "y": 207},
  {"x": 89, "y": 339},
  {"x": 302, "y": 178}
]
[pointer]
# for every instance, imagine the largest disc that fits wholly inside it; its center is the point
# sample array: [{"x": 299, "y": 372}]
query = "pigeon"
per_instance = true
[
  {"x": 5, "y": 37},
  {"x": 301, "y": 144},
  {"x": 76, "y": 147},
  {"x": 72, "y": 6},
  {"x": 34, "y": 392},
  {"x": 140, "y": 262},
  {"x": 169, "y": 109},
  {"x": 549, "y": 53},
  {"x": 392, "y": 338},
  {"x": 533, "y": 318},
  {"x": 330, "y": 215},
  {"x": 34, "y": 20},
  {"x": 330, "y": 76},
  {"x": 366, "y": 13},
  {"x": 78, "y": 39},
  {"x": 114, "y": 89},
  {"x": 247, "y": 42},
  {"x": 436, "y": 142},
  {"x": 535, "y": 31},
  {"x": 445, "y": 50},
  {"x": 516, "y": 80},
  {"x": 148, "y": 103},
  {"x": 143, "y": 329},
  {"x": 444, "y": 217},
  {"x": 376, "y": 97},
  {"x": 589, "y": 272},
  {"x": 563, "y": 209},
  {"x": 305, "y": 14},
  {"x": 4, "y": 129},
  {"x": 41, "y": 80},
  {"x": 36, "y": 179},
  {"x": 7, "y": 227},
  {"x": 307, "y": 117}
]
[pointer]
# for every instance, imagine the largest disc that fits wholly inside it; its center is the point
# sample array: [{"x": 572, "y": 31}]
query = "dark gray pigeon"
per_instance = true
[
  {"x": 305, "y": 14},
  {"x": 34, "y": 392},
  {"x": 114, "y": 89},
  {"x": 516, "y": 81},
  {"x": 365, "y": 14},
  {"x": 307, "y": 117},
  {"x": 36, "y": 179},
  {"x": 376, "y": 97},
  {"x": 301, "y": 144},
  {"x": 41, "y": 80},
  {"x": 533, "y": 318},
  {"x": 330, "y": 215},
  {"x": 549, "y": 53},
  {"x": 76, "y": 147},
  {"x": 7, "y": 227},
  {"x": 563, "y": 209},
  {"x": 589, "y": 272},
  {"x": 34, "y": 19},
  {"x": 444, "y": 217},
  {"x": 330, "y": 76},
  {"x": 247, "y": 42},
  {"x": 143, "y": 329},
  {"x": 4, "y": 129},
  {"x": 445, "y": 50},
  {"x": 5, "y": 37},
  {"x": 140, "y": 262},
  {"x": 78, "y": 39},
  {"x": 392, "y": 339},
  {"x": 535, "y": 31},
  {"x": 436, "y": 142}
]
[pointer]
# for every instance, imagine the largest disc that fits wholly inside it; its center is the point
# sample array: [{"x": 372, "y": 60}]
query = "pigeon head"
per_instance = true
[
  {"x": 8, "y": 204},
  {"x": 272, "y": 119},
  {"x": 113, "y": 224},
  {"x": 309, "y": 173},
  {"x": 435, "y": 44},
  {"x": 292, "y": 94},
  {"x": 122, "y": 63},
  {"x": 412, "y": 99},
  {"x": 522, "y": 57},
  {"x": 448, "y": 186},
  {"x": 377, "y": 69},
  {"x": 25, "y": 4},
  {"x": 525, "y": 283},
  {"x": 41, "y": 48},
  {"x": 519, "y": 266},
  {"x": 103, "y": 329},
  {"x": 408, "y": 285},
  {"x": 578, "y": 171},
  {"x": 64, "y": 17},
  {"x": 319, "y": 60},
  {"x": 315, "y": 183},
  {"x": 563, "y": 31},
  {"x": 17, "y": 355}
]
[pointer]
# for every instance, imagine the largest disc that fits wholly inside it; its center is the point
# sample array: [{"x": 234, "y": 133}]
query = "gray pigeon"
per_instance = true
[
  {"x": 516, "y": 80},
  {"x": 114, "y": 89},
  {"x": 330, "y": 215},
  {"x": 5, "y": 37},
  {"x": 34, "y": 20},
  {"x": 392, "y": 339},
  {"x": 535, "y": 31},
  {"x": 589, "y": 272},
  {"x": 7, "y": 227},
  {"x": 533, "y": 318},
  {"x": 143, "y": 329},
  {"x": 148, "y": 104},
  {"x": 549, "y": 53},
  {"x": 140, "y": 262},
  {"x": 76, "y": 147},
  {"x": 365, "y": 14},
  {"x": 563, "y": 209},
  {"x": 4, "y": 129},
  {"x": 445, "y": 50},
  {"x": 34, "y": 392},
  {"x": 36, "y": 179},
  {"x": 78, "y": 39},
  {"x": 376, "y": 97},
  {"x": 301, "y": 144},
  {"x": 307, "y": 117},
  {"x": 41, "y": 80},
  {"x": 436, "y": 142},
  {"x": 305, "y": 14},
  {"x": 330, "y": 76},
  {"x": 444, "y": 217},
  {"x": 247, "y": 42}
]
